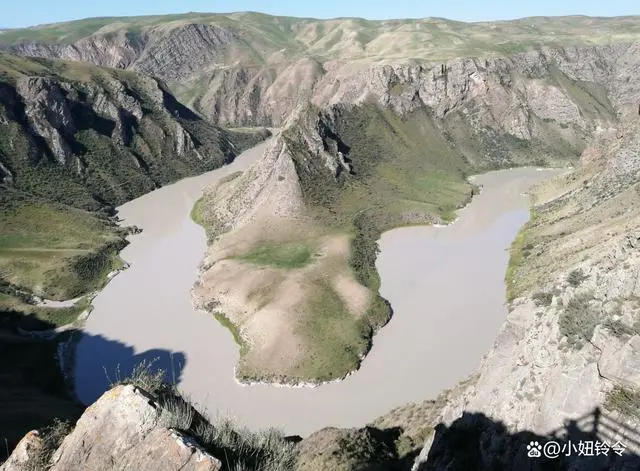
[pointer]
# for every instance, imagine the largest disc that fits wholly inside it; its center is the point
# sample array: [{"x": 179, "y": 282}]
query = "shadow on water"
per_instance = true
[
  {"x": 594, "y": 442},
  {"x": 33, "y": 392},
  {"x": 118, "y": 362}
]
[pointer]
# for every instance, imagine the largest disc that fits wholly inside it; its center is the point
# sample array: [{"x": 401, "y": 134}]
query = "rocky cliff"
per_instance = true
[
  {"x": 111, "y": 135},
  {"x": 248, "y": 68},
  {"x": 570, "y": 343}
]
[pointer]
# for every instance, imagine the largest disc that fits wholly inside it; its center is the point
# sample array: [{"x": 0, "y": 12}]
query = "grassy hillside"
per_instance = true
[
  {"x": 429, "y": 38},
  {"x": 76, "y": 141}
]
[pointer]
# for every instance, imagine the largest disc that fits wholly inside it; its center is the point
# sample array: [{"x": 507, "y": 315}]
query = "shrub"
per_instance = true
[
  {"x": 542, "y": 298},
  {"x": 143, "y": 376},
  {"x": 176, "y": 413},
  {"x": 625, "y": 401},
  {"x": 578, "y": 320},
  {"x": 265, "y": 450},
  {"x": 619, "y": 328},
  {"x": 51, "y": 437},
  {"x": 576, "y": 277}
]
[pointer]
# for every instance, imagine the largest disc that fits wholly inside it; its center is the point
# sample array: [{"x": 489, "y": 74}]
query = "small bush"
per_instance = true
[
  {"x": 576, "y": 277},
  {"x": 242, "y": 449},
  {"x": 619, "y": 328},
  {"x": 579, "y": 320},
  {"x": 176, "y": 413},
  {"x": 542, "y": 298},
  {"x": 143, "y": 376},
  {"x": 625, "y": 401},
  {"x": 52, "y": 437}
]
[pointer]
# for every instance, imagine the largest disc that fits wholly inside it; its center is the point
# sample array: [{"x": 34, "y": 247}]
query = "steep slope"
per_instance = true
[
  {"x": 248, "y": 68},
  {"x": 570, "y": 343}
]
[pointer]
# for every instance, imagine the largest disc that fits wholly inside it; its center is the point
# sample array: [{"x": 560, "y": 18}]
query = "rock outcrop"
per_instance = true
[
  {"x": 122, "y": 430},
  {"x": 127, "y": 123},
  {"x": 255, "y": 69}
]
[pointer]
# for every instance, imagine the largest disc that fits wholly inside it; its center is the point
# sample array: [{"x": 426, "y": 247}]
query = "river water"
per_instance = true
[{"x": 445, "y": 285}]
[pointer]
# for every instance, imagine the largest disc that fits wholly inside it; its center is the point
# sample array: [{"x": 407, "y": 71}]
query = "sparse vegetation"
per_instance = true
[
  {"x": 579, "y": 319},
  {"x": 144, "y": 376},
  {"x": 27, "y": 316},
  {"x": 576, "y": 277},
  {"x": 542, "y": 298},
  {"x": 619, "y": 328},
  {"x": 176, "y": 413},
  {"x": 51, "y": 438},
  {"x": 225, "y": 322},
  {"x": 624, "y": 400},
  {"x": 516, "y": 260}
]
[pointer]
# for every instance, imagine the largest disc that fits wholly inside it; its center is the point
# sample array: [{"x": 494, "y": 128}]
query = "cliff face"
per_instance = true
[
  {"x": 570, "y": 343},
  {"x": 543, "y": 82},
  {"x": 111, "y": 136},
  {"x": 252, "y": 70}
]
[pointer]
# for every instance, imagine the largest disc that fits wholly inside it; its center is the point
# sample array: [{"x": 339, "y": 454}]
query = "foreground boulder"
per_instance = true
[{"x": 120, "y": 431}]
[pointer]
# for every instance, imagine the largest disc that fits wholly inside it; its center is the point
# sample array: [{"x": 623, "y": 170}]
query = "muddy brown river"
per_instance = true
[{"x": 445, "y": 284}]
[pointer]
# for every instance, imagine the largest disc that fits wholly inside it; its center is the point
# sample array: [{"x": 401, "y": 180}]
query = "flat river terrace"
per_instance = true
[{"x": 445, "y": 284}]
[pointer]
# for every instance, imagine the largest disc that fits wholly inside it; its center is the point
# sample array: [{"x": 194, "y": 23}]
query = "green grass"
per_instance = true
[
  {"x": 516, "y": 261},
  {"x": 335, "y": 341},
  {"x": 404, "y": 173},
  {"x": 56, "y": 252},
  {"x": 516, "y": 278},
  {"x": 235, "y": 332},
  {"x": 288, "y": 255}
]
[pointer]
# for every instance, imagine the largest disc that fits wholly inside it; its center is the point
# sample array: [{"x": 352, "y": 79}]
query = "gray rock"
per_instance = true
[
  {"x": 621, "y": 363},
  {"x": 118, "y": 432}
]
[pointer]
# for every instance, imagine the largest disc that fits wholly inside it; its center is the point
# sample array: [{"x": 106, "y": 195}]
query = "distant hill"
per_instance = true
[{"x": 252, "y": 68}]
